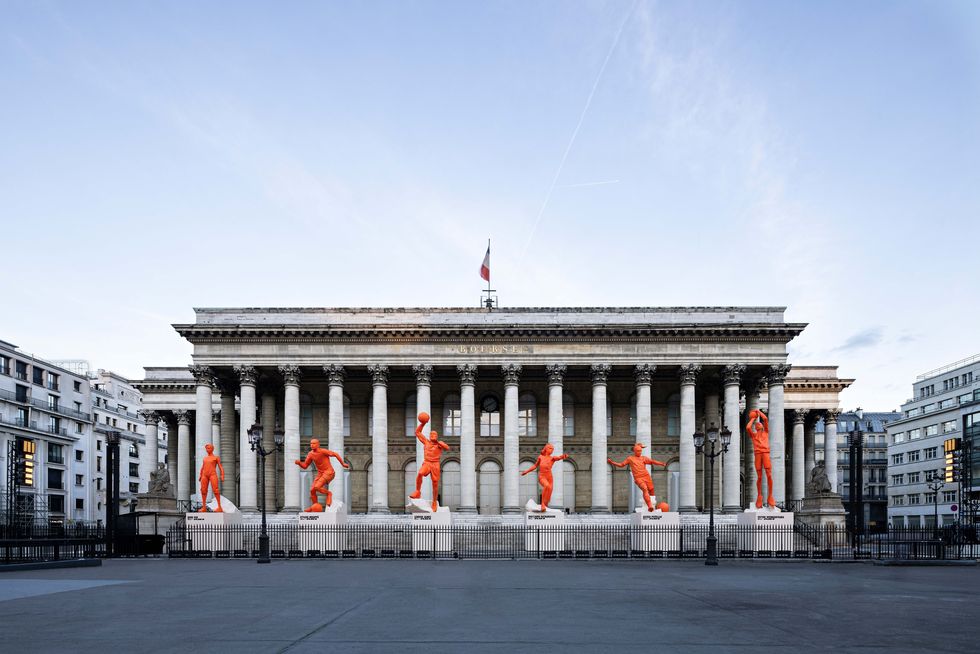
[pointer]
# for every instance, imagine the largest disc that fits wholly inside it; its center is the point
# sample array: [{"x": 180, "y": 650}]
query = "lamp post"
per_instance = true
[
  {"x": 255, "y": 439},
  {"x": 712, "y": 454},
  {"x": 935, "y": 483}
]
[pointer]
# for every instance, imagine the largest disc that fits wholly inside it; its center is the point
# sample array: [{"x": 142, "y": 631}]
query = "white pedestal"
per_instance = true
[
  {"x": 205, "y": 530},
  {"x": 545, "y": 531},
  {"x": 323, "y": 531},
  {"x": 430, "y": 530},
  {"x": 655, "y": 530},
  {"x": 765, "y": 529}
]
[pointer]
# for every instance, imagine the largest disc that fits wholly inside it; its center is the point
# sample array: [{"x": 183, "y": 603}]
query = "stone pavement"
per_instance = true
[{"x": 159, "y": 605}]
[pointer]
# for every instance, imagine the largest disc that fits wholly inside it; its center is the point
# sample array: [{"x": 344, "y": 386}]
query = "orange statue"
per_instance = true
[
  {"x": 433, "y": 449},
  {"x": 544, "y": 464},
  {"x": 209, "y": 477},
  {"x": 638, "y": 466},
  {"x": 758, "y": 429},
  {"x": 324, "y": 474},
  {"x": 663, "y": 506}
]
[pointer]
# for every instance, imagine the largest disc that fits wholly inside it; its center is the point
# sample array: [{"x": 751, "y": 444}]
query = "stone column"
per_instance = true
[
  {"x": 731, "y": 491},
  {"x": 799, "y": 467},
  {"x": 229, "y": 453},
  {"x": 688, "y": 481},
  {"x": 512, "y": 375},
  {"x": 809, "y": 447},
  {"x": 777, "y": 430},
  {"x": 216, "y": 435},
  {"x": 556, "y": 429},
  {"x": 712, "y": 415},
  {"x": 269, "y": 424},
  {"x": 148, "y": 455},
  {"x": 423, "y": 402},
  {"x": 830, "y": 446},
  {"x": 335, "y": 422},
  {"x": 643, "y": 375},
  {"x": 172, "y": 449},
  {"x": 752, "y": 401},
  {"x": 202, "y": 414},
  {"x": 184, "y": 472},
  {"x": 248, "y": 493},
  {"x": 467, "y": 439},
  {"x": 379, "y": 440},
  {"x": 600, "y": 467},
  {"x": 291, "y": 472}
]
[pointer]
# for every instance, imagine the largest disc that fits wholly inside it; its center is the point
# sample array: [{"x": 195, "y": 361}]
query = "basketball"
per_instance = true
[
  {"x": 423, "y": 417},
  {"x": 663, "y": 506}
]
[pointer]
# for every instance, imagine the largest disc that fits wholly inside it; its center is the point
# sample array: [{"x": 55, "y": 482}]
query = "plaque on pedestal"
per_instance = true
[
  {"x": 655, "y": 530},
  {"x": 765, "y": 529},
  {"x": 207, "y": 531},
  {"x": 324, "y": 531},
  {"x": 431, "y": 530},
  {"x": 545, "y": 529}
]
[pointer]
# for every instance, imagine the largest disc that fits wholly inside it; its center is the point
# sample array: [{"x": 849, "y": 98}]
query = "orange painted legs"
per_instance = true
[
  {"x": 647, "y": 488},
  {"x": 434, "y": 475},
  {"x": 547, "y": 485},
  {"x": 211, "y": 480},
  {"x": 762, "y": 462},
  {"x": 320, "y": 485}
]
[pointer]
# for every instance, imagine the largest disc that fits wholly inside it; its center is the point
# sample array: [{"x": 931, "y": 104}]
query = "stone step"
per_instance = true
[{"x": 468, "y": 519}]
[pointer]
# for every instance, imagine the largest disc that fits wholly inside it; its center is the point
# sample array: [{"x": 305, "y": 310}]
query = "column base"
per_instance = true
[
  {"x": 688, "y": 509},
  {"x": 466, "y": 509},
  {"x": 599, "y": 510},
  {"x": 511, "y": 510},
  {"x": 291, "y": 509},
  {"x": 249, "y": 509},
  {"x": 732, "y": 509},
  {"x": 379, "y": 511}
]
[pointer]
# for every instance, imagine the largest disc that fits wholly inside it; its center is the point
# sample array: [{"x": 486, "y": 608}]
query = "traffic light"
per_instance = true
[{"x": 952, "y": 449}]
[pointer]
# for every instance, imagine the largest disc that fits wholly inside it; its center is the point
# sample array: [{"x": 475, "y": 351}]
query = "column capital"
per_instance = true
[
  {"x": 467, "y": 373},
  {"x": 732, "y": 374},
  {"x": 379, "y": 374},
  {"x": 203, "y": 375},
  {"x": 247, "y": 375},
  {"x": 600, "y": 373},
  {"x": 335, "y": 374},
  {"x": 799, "y": 416},
  {"x": 423, "y": 374},
  {"x": 776, "y": 374},
  {"x": 183, "y": 416},
  {"x": 512, "y": 373},
  {"x": 643, "y": 373},
  {"x": 150, "y": 417},
  {"x": 831, "y": 415},
  {"x": 290, "y": 374},
  {"x": 556, "y": 373},
  {"x": 689, "y": 373}
]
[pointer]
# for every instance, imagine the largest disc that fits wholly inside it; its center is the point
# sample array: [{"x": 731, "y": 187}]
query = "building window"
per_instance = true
[
  {"x": 898, "y": 459},
  {"x": 411, "y": 414},
  {"x": 948, "y": 402},
  {"x": 134, "y": 470},
  {"x": 98, "y": 464},
  {"x": 305, "y": 416},
  {"x": 56, "y": 503},
  {"x": 948, "y": 426},
  {"x": 450, "y": 486},
  {"x": 930, "y": 498},
  {"x": 913, "y": 498},
  {"x": 38, "y": 376},
  {"x": 56, "y": 479},
  {"x": 913, "y": 478},
  {"x": 20, "y": 393},
  {"x": 79, "y": 428},
  {"x": 79, "y": 455},
  {"x": 452, "y": 416},
  {"x": 79, "y": 480},
  {"x": 53, "y": 381},
  {"x": 56, "y": 453},
  {"x": 79, "y": 504},
  {"x": 134, "y": 487},
  {"x": 932, "y": 430},
  {"x": 915, "y": 434},
  {"x": 133, "y": 450},
  {"x": 966, "y": 397},
  {"x": 674, "y": 415},
  {"x": 568, "y": 415},
  {"x": 949, "y": 497},
  {"x": 898, "y": 480},
  {"x": 4, "y": 365},
  {"x": 527, "y": 415},
  {"x": 490, "y": 419},
  {"x": 931, "y": 452},
  {"x": 78, "y": 386},
  {"x": 21, "y": 370},
  {"x": 489, "y": 498},
  {"x": 913, "y": 456},
  {"x": 898, "y": 500}
]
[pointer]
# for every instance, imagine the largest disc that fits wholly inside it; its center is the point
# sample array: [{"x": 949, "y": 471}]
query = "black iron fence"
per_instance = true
[
  {"x": 289, "y": 541},
  {"x": 50, "y": 542}
]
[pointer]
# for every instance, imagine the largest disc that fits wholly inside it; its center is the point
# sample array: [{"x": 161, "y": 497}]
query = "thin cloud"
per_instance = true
[{"x": 861, "y": 340}]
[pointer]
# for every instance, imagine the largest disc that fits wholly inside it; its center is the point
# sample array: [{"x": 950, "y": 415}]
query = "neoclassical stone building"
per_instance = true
[{"x": 499, "y": 384}]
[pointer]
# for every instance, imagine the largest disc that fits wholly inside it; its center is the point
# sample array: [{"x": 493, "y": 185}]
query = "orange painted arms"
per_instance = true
[
  {"x": 338, "y": 457},
  {"x": 418, "y": 433},
  {"x": 305, "y": 464},
  {"x": 618, "y": 465},
  {"x": 221, "y": 468},
  {"x": 531, "y": 468},
  {"x": 654, "y": 462},
  {"x": 443, "y": 446}
]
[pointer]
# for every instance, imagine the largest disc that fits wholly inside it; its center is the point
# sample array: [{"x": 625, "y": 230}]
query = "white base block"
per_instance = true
[
  {"x": 772, "y": 529},
  {"x": 655, "y": 530},
  {"x": 323, "y": 531},
  {"x": 544, "y": 532},
  {"x": 203, "y": 535},
  {"x": 430, "y": 531}
]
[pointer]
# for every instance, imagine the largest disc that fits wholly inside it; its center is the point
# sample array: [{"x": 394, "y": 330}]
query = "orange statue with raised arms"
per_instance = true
[
  {"x": 324, "y": 474},
  {"x": 209, "y": 477},
  {"x": 638, "y": 466},
  {"x": 758, "y": 429},
  {"x": 546, "y": 479},
  {"x": 433, "y": 449}
]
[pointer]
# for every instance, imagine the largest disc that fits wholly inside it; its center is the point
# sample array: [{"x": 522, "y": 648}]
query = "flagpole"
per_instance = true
[{"x": 488, "y": 273}]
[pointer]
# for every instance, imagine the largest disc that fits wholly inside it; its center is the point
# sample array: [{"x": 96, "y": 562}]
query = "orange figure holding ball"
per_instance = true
[
  {"x": 209, "y": 477},
  {"x": 433, "y": 448},
  {"x": 638, "y": 466},
  {"x": 324, "y": 474},
  {"x": 544, "y": 464},
  {"x": 758, "y": 429}
]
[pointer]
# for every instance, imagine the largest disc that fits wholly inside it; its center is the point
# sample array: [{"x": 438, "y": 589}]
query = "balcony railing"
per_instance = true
[
  {"x": 21, "y": 376},
  {"x": 54, "y": 429},
  {"x": 62, "y": 410},
  {"x": 53, "y": 385}
]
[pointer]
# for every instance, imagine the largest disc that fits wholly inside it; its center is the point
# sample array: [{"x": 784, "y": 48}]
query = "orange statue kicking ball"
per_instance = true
[
  {"x": 758, "y": 429},
  {"x": 433, "y": 449},
  {"x": 324, "y": 474},
  {"x": 209, "y": 477},
  {"x": 544, "y": 464},
  {"x": 638, "y": 466}
]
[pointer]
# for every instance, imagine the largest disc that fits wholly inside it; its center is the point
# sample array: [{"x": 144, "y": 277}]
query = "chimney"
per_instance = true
[{"x": 860, "y": 413}]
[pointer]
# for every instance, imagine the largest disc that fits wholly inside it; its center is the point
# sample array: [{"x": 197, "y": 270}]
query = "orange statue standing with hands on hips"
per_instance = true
[
  {"x": 209, "y": 477},
  {"x": 324, "y": 473},
  {"x": 758, "y": 429},
  {"x": 544, "y": 464},
  {"x": 638, "y": 466},
  {"x": 433, "y": 448}
]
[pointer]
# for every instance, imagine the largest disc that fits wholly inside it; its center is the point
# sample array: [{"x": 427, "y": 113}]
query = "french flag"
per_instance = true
[{"x": 485, "y": 268}]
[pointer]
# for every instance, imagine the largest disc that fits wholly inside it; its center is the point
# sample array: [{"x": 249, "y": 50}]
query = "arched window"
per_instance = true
[
  {"x": 450, "y": 490},
  {"x": 489, "y": 488},
  {"x": 528, "y": 484},
  {"x": 490, "y": 416},
  {"x": 527, "y": 416},
  {"x": 609, "y": 421},
  {"x": 410, "y": 469},
  {"x": 370, "y": 486},
  {"x": 673, "y": 485},
  {"x": 305, "y": 415},
  {"x": 568, "y": 484},
  {"x": 346, "y": 415},
  {"x": 411, "y": 415},
  {"x": 452, "y": 416},
  {"x": 609, "y": 486},
  {"x": 674, "y": 415},
  {"x": 568, "y": 414}
]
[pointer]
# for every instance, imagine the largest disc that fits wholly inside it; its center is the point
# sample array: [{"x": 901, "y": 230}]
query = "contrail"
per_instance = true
[
  {"x": 581, "y": 119},
  {"x": 581, "y": 184}
]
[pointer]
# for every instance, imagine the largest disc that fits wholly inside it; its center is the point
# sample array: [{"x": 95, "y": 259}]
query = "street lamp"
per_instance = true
[
  {"x": 935, "y": 483},
  {"x": 712, "y": 454},
  {"x": 255, "y": 439}
]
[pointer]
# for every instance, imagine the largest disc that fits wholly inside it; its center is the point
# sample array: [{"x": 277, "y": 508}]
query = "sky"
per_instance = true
[{"x": 825, "y": 157}]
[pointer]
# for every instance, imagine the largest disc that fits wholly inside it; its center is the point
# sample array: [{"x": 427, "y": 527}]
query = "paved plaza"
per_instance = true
[{"x": 165, "y": 605}]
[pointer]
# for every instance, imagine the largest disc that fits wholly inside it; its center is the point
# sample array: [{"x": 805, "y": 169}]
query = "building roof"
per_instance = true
[{"x": 870, "y": 421}]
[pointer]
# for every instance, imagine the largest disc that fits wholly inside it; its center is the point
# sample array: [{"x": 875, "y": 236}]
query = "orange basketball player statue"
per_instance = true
[
  {"x": 433, "y": 449},
  {"x": 324, "y": 474},
  {"x": 547, "y": 481},
  {"x": 758, "y": 429},
  {"x": 209, "y": 477},
  {"x": 638, "y": 466}
]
